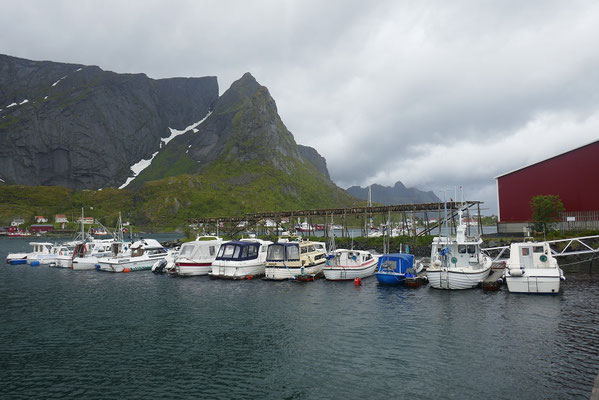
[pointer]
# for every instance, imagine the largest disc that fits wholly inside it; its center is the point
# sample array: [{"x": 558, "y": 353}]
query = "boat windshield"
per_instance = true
[
  {"x": 276, "y": 252},
  {"x": 186, "y": 250}
]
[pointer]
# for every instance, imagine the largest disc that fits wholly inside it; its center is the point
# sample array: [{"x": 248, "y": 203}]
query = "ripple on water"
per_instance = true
[{"x": 99, "y": 335}]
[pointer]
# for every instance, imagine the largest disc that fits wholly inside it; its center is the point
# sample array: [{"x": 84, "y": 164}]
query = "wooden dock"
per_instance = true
[{"x": 495, "y": 279}]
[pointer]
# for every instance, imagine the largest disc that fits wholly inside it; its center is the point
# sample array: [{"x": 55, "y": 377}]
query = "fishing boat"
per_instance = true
[
  {"x": 243, "y": 259},
  {"x": 345, "y": 264},
  {"x": 196, "y": 258},
  {"x": 532, "y": 268},
  {"x": 457, "y": 261},
  {"x": 394, "y": 268},
  {"x": 144, "y": 254},
  {"x": 304, "y": 226},
  {"x": 300, "y": 259}
]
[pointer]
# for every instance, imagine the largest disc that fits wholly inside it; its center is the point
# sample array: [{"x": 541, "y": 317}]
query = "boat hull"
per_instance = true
[
  {"x": 340, "y": 273},
  {"x": 237, "y": 272},
  {"x": 542, "y": 282},
  {"x": 390, "y": 278},
  {"x": 193, "y": 269},
  {"x": 16, "y": 258},
  {"x": 284, "y": 273},
  {"x": 456, "y": 279},
  {"x": 128, "y": 265},
  {"x": 84, "y": 263}
]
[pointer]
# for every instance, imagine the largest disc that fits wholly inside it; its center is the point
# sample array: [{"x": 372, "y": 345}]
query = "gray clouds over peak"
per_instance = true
[{"x": 432, "y": 93}]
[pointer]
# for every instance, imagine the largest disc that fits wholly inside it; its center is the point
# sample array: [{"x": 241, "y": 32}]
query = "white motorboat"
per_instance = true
[
  {"x": 196, "y": 258},
  {"x": 144, "y": 254},
  {"x": 294, "y": 260},
  {"x": 532, "y": 268},
  {"x": 345, "y": 264},
  {"x": 243, "y": 259},
  {"x": 62, "y": 255},
  {"x": 87, "y": 254},
  {"x": 39, "y": 254},
  {"x": 456, "y": 261}
]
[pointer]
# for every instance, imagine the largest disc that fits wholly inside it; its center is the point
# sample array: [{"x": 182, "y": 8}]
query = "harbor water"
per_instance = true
[{"x": 88, "y": 334}]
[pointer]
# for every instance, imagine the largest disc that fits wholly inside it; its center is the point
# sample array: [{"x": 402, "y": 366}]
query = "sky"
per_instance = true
[{"x": 435, "y": 94}]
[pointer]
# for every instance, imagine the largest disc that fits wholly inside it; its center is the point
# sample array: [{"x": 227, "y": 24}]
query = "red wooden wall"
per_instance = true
[{"x": 574, "y": 176}]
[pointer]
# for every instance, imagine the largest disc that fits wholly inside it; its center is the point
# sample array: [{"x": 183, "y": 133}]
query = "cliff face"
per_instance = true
[
  {"x": 81, "y": 127},
  {"x": 396, "y": 194}
]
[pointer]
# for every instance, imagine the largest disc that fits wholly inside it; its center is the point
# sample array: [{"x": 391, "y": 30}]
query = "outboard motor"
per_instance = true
[{"x": 158, "y": 267}]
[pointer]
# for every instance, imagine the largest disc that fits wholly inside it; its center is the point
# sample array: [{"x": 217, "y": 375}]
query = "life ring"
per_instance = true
[{"x": 543, "y": 258}]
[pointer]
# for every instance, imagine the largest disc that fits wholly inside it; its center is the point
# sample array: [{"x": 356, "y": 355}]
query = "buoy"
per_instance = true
[
  {"x": 250, "y": 277},
  {"x": 357, "y": 281},
  {"x": 127, "y": 270}
]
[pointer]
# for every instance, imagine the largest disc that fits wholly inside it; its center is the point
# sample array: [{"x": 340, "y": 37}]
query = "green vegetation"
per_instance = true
[{"x": 545, "y": 210}]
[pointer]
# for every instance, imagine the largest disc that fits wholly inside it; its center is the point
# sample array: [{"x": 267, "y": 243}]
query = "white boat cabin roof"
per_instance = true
[{"x": 147, "y": 244}]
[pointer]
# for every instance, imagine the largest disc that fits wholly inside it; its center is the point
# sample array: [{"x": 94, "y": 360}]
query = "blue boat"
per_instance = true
[{"x": 393, "y": 269}]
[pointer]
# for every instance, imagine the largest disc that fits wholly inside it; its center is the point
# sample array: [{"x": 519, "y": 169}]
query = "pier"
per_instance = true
[{"x": 236, "y": 224}]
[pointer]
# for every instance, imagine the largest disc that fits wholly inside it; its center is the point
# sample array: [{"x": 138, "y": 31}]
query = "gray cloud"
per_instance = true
[{"x": 435, "y": 94}]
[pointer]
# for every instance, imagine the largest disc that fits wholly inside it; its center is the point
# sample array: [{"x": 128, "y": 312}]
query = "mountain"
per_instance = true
[
  {"x": 241, "y": 158},
  {"x": 178, "y": 150},
  {"x": 396, "y": 194},
  {"x": 80, "y": 127}
]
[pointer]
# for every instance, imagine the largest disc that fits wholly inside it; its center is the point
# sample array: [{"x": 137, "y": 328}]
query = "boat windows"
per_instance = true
[
  {"x": 252, "y": 251},
  {"x": 304, "y": 249},
  {"x": 212, "y": 250},
  {"x": 525, "y": 251},
  {"x": 276, "y": 252},
  {"x": 471, "y": 249},
  {"x": 227, "y": 251},
  {"x": 293, "y": 252},
  {"x": 538, "y": 249},
  {"x": 462, "y": 249},
  {"x": 237, "y": 251},
  {"x": 186, "y": 250}
]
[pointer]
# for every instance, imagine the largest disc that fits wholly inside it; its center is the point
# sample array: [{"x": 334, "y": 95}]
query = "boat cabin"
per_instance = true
[
  {"x": 305, "y": 251},
  {"x": 283, "y": 252},
  {"x": 531, "y": 255},
  {"x": 147, "y": 246},
  {"x": 204, "y": 247},
  {"x": 239, "y": 251},
  {"x": 343, "y": 257},
  {"x": 41, "y": 248},
  {"x": 460, "y": 253}
]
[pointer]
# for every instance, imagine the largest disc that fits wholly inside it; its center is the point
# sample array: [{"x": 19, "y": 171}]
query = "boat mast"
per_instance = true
[{"x": 82, "y": 227}]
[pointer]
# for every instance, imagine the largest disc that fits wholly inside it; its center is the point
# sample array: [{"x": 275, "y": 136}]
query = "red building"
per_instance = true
[
  {"x": 35, "y": 228},
  {"x": 572, "y": 175}
]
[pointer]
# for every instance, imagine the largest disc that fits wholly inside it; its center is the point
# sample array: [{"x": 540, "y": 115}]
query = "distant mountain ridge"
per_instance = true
[{"x": 396, "y": 194}]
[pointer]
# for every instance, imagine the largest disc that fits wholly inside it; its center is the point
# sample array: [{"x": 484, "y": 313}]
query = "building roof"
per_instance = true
[{"x": 552, "y": 157}]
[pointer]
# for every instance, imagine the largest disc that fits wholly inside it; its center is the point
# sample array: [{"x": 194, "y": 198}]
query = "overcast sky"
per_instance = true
[{"x": 433, "y": 93}]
